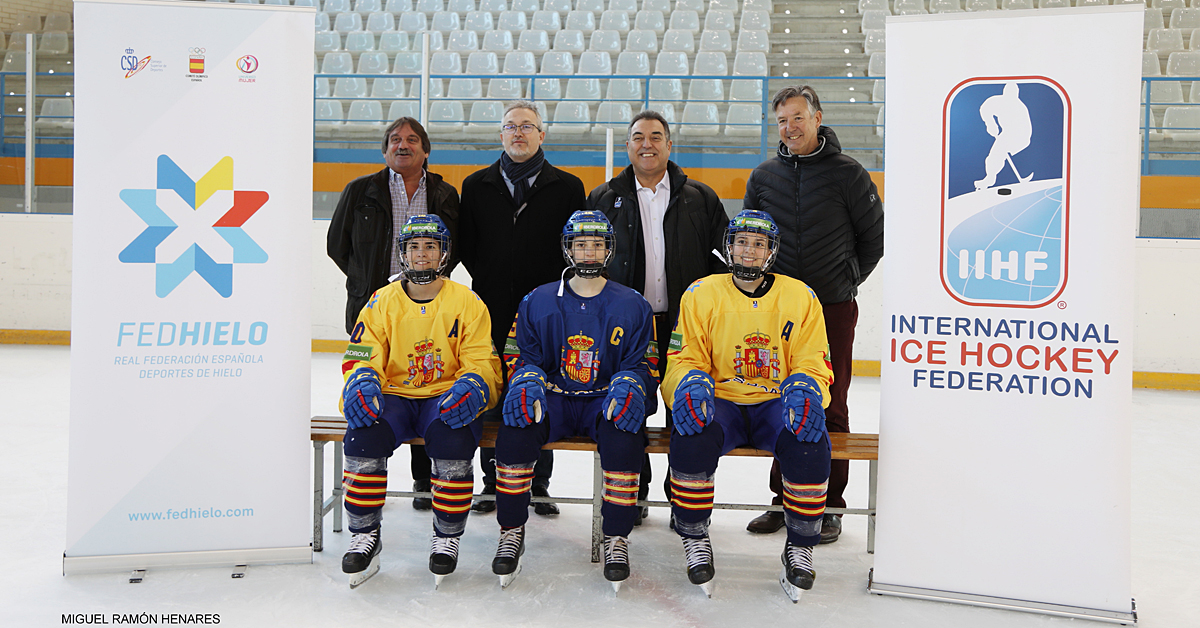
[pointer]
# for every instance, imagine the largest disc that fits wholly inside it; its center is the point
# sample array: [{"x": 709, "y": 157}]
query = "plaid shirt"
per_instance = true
[{"x": 403, "y": 209}]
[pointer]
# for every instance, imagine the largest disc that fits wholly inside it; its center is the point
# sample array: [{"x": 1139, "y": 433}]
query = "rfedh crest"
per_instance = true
[
  {"x": 579, "y": 362},
  {"x": 425, "y": 365},
  {"x": 759, "y": 359},
  {"x": 1006, "y": 191}
]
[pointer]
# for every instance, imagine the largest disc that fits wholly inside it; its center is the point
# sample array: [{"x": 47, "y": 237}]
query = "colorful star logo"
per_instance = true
[{"x": 144, "y": 248}]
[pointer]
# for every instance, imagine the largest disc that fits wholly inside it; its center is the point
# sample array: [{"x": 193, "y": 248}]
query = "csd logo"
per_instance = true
[
  {"x": 1006, "y": 191},
  {"x": 247, "y": 64}
]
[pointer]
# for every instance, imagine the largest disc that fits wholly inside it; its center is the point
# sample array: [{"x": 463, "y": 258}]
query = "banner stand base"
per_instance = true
[
  {"x": 985, "y": 601},
  {"x": 113, "y": 563}
]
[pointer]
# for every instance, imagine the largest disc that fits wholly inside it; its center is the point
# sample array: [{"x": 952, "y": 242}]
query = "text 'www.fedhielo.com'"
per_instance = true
[{"x": 171, "y": 514}]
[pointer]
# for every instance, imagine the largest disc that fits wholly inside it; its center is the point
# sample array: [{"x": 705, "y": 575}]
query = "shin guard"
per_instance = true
[
  {"x": 620, "y": 502},
  {"x": 803, "y": 508},
  {"x": 366, "y": 489},
  {"x": 513, "y": 483},
  {"x": 691, "y": 502},
  {"x": 453, "y": 482}
]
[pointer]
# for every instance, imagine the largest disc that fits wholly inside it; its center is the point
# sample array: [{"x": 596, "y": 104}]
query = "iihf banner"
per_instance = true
[
  {"x": 190, "y": 323},
  {"x": 1012, "y": 184}
]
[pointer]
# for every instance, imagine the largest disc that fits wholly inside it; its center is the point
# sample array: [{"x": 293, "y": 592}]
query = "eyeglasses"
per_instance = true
[{"x": 509, "y": 129}]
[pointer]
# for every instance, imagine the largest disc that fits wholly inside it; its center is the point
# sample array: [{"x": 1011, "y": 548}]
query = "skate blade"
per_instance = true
[
  {"x": 708, "y": 587},
  {"x": 508, "y": 578},
  {"x": 616, "y": 587},
  {"x": 437, "y": 580},
  {"x": 364, "y": 575},
  {"x": 793, "y": 592}
]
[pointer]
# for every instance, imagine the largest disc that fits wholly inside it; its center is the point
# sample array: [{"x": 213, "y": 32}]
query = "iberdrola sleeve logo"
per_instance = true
[{"x": 194, "y": 194}]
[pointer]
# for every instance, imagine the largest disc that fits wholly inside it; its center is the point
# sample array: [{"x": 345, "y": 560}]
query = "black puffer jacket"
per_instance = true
[
  {"x": 360, "y": 234},
  {"x": 693, "y": 226},
  {"x": 829, "y": 214}
]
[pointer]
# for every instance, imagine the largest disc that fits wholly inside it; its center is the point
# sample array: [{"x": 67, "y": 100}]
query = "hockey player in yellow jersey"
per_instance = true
[
  {"x": 749, "y": 366},
  {"x": 420, "y": 364}
]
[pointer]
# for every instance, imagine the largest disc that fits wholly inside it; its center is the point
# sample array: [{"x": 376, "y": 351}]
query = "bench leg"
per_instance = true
[
  {"x": 318, "y": 493},
  {"x": 339, "y": 489},
  {"x": 873, "y": 483},
  {"x": 597, "y": 500}
]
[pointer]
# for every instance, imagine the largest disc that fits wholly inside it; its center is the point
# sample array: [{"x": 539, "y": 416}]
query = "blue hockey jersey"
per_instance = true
[{"x": 580, "y": 343}]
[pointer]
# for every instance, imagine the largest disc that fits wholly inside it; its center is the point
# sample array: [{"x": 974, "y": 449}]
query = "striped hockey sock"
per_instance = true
[
  {"x": 691, "y": 502},
  {"x": 365, "y": 484},
  {"x": 803, "y": 507},
  {"x": 453, "y": 482}
]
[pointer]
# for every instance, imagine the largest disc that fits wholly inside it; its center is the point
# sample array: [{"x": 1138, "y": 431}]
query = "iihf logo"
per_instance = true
[{"x": 1006, "y": 150}]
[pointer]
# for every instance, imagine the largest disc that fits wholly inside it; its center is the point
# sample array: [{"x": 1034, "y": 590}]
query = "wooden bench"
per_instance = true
[{"x": 326, "y": 429}]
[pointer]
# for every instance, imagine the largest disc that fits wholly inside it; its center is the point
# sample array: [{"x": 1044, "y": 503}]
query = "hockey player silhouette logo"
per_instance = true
[
  {"x": 757, "y": 360},
  {"x": 579, "y": 362},
  {"x": 1005, "y": 191},
  {"x": 425, "y": 365}
]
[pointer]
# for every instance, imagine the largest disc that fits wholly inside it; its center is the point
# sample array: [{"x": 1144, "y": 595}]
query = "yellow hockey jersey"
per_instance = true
[
  {"x": 748, "y": 345},
  {"x": 420, "y": 349}
]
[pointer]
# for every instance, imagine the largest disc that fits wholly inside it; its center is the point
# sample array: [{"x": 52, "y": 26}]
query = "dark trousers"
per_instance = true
[{"x": 840, "y": 319}]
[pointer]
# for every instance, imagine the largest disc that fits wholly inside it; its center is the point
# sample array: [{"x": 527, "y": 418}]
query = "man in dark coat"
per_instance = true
[
  {"x": 830, "y": 220},
  {"x": 666, "y": 226},
  {"x": 510, "y": 226},
  {"x": 365, "y": 224}
]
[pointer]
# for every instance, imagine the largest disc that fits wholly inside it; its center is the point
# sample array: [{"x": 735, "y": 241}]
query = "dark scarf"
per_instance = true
[
  {"x": 518, "y": 173},
  {"x": 787, "y": 155}
]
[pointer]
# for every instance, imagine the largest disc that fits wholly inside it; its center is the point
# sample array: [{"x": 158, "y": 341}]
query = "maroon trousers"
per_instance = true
[{"x": 840, "y": 319}]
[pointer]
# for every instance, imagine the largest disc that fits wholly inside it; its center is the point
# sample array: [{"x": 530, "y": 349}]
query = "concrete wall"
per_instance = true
[{"x": 35, "y": 292}]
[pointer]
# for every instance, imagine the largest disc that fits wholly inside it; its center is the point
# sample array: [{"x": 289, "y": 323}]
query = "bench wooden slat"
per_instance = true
[{"x": 845, "y": 446}]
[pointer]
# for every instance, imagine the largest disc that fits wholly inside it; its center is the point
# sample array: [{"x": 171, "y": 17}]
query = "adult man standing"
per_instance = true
[
  {"x": 830, "y": 221},
  {"x": 511, "y": 221},
  {"x": 667, "y": 227},
  {"x": 369, "y": 216}
]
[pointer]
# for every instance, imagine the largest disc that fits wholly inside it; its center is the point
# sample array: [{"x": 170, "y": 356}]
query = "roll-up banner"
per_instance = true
[
  {"x": 1012, "y": 188},
  {"x": 190, "y": 323}
]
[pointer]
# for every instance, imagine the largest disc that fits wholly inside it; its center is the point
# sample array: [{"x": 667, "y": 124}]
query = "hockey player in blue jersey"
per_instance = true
[
  {"x": 580, "y": 355},
  {"x": 749, "y": 365}
]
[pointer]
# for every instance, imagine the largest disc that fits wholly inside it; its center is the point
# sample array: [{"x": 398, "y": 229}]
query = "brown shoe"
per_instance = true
[
  {"x": 831, "y": 528},
  {"x": 766, "y": 523}
]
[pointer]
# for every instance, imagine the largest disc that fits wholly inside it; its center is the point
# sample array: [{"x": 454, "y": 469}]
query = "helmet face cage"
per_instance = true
[
  {"x": 751, "y": 221},
  {"x": 588, "y": 224},
  {"x": 424, "y": 227}
]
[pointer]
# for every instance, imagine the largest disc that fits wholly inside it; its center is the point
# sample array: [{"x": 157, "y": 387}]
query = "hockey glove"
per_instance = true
[
  {"x": 694, "y": 403},
  {"x": 362, "y": 399},
  {"x": 626, "y": 402},
  {"x": 462, "y": 403},
  {"x": 802, "y": 411},
  {"x": 526, "y": 400}
]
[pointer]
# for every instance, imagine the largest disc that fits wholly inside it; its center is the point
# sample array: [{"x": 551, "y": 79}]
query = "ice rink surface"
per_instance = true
[{"x": 558, "y": 585}]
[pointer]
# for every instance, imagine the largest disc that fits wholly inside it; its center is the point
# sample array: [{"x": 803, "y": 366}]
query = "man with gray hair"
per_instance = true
[
  {"x": 510, "y": 226},
  {"x": 830, "y": 220},
  {"x": 368, "y": 219},
  {"x": 666, "y": 226}
]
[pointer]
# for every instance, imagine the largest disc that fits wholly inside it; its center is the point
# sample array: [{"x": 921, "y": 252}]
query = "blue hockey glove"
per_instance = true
[
  {"x": 362, "y": 399},
  {"x": 694, "y": 403},
  {"x": 625, "y": 404},
  {"x": 802, "y": 411},
  {"x": 462, "y": 403},
  {"x": 526, "y": 400}
]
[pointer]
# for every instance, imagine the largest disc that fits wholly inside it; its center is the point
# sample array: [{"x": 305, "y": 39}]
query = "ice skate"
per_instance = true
[
  {"x": 507, "y": 563},
  {"x": 700, "y": 567},
  {"x": 616, "y": 561},
  {"x": 443, "y": 557},
  {"x": 797, "y": 575},
  {"x": 361, "y": 561}
]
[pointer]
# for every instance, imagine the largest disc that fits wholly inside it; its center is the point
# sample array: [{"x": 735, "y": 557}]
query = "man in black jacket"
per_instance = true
[
  {"x": 666, "y": 225},
  {"x": 363, "y": 231},
  {"x": 830, "y": 220},
  {"x": 511, "y": 222}
]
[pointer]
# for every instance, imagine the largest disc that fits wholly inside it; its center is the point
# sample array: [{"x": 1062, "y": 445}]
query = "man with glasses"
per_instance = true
[
  {"x": 510, "y": 221},
  {"x": 667, "y": 227}
]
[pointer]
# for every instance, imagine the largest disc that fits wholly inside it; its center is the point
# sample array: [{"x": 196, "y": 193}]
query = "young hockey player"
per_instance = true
[
  {"x": 420, "y": 364},
  {"x": 749, "y": 366},
  {"x": 581, "y": 356}
]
